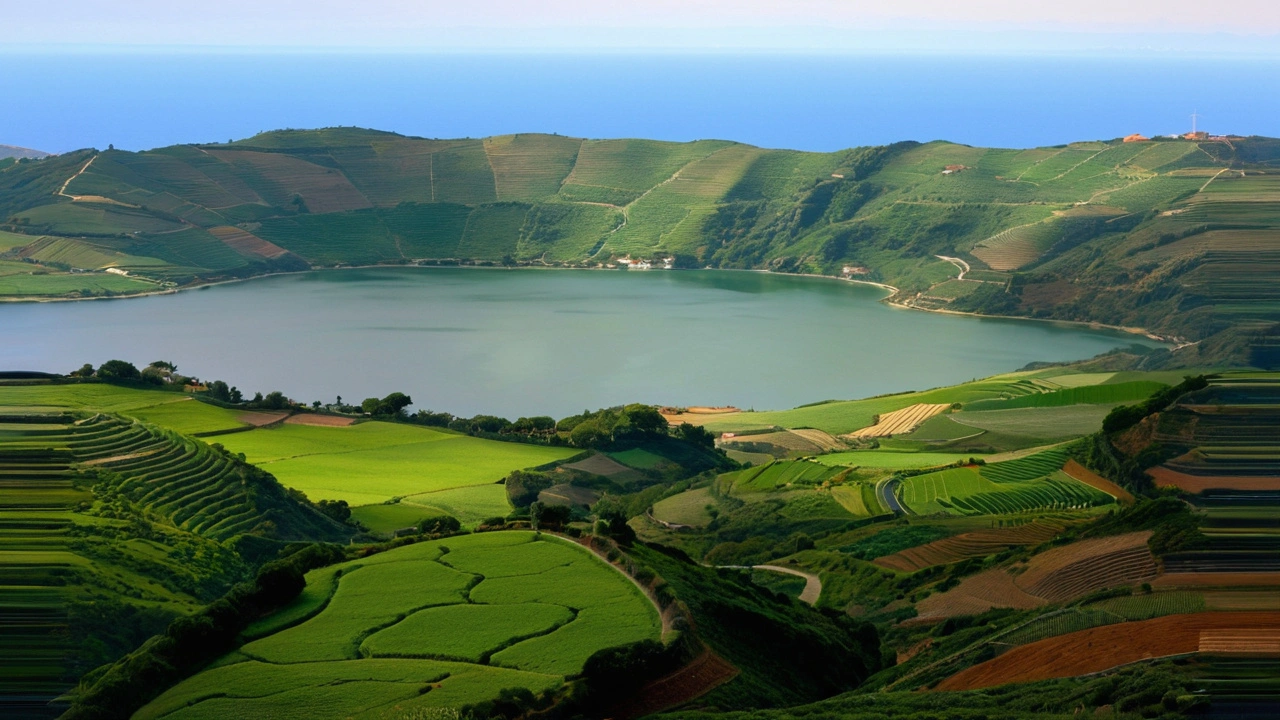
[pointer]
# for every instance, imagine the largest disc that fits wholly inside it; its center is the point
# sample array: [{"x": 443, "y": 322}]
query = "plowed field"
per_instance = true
[
  {"x": 901, "y": 421},
  {"x": 1082, "y": 567},
  {"x": 976, "y": 595},
  {"x": 979, "y": 543},
  {"x": 1102, "y": 648},
  {"x": 1076, "y": 471},
  {"x": 1199, "y": 483}
]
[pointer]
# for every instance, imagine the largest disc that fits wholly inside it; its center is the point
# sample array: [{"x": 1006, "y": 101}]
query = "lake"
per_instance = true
[{"x": 542, "y": 342}]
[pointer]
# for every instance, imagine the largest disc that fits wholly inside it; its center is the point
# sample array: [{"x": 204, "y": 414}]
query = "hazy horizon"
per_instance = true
[{"x": 1088, "y": 27}]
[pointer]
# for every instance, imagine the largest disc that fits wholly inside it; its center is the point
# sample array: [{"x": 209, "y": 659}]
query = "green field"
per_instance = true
[
  {"x": 464, "y": 617},
  {"x": 190, "y": 417},
  {"x": 780, "y": 474},
  {"x": 1050, "y": 423},
  {"x": 371, "y": 462},
  {"x": 686, "y": 508},
  {"x": 1031, "y": 483},
  {"x": 1087, "y": 394},
  {"x": 890, "y": 459},
  {"x": 845, "y": 416}
]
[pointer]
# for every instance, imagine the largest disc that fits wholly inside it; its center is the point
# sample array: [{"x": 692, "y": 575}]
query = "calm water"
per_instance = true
[
  {"x": 819, "y": 102},
  {"x": 525, "y": 342}
]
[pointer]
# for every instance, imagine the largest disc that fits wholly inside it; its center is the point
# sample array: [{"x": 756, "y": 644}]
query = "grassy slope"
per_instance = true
[
  {"x": 472, "y": 615},
  {"x": 372, "y": 462}
]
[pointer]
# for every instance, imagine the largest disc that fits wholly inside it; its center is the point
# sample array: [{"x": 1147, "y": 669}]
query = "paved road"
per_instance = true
[{"x": 887, "y": 498}]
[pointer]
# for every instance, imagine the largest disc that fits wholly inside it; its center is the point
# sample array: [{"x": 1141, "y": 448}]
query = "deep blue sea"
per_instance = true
[{"x": 63, "y": 102}]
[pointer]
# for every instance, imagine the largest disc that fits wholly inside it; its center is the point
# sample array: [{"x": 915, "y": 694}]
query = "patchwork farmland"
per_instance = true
[{"x": 464, "y": 618}]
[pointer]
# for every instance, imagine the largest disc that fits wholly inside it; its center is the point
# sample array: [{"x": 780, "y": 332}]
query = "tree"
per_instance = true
[
  {"x": 85, "y": 371},
  {"x": 393, "y": 404},
  {"x": 439, "y": 525},
  {"x": 645, "y": 419},
  {"x": 118, "y": 370},
  {"x": 336, "y": 509},
  {"x": 275, "y": 400},
  {"x": 535, "y": 513},
  {"x": 589, "y": 435},
  {"x": 696, "y": 434}
]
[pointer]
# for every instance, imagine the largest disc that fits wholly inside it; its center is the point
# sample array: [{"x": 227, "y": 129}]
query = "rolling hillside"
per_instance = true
[{"x": 1175, "y": 236}]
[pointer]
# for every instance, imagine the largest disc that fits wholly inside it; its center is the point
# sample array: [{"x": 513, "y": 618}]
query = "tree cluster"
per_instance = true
[{"x": 603, "y": 428}]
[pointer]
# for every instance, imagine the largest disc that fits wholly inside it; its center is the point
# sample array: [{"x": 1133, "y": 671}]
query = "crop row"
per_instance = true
[{"x": 1025, "y": 469}]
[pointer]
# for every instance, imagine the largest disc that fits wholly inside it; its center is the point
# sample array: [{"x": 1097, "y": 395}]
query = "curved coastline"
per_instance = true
[{"x": 1174, "y": 343}]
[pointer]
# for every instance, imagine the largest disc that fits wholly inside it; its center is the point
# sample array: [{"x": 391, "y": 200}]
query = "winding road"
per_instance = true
[
  {"x": 887, "y": 498},
  {"x": 812, "y": 583}
]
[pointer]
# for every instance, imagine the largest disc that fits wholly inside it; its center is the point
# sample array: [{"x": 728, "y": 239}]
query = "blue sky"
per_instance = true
[{"x": 1231, "y": 27}]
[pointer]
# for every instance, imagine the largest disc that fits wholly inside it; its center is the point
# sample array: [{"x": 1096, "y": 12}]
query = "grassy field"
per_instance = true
[
  {"x": 371, "y": 462},
  {"x": 890, "y": 459},
  {"x": 1050, "y": 423},
  {"x": 845, "y": 416},
  {"x": 464, "y": 617},
  {"x": 190, "y": 417},
  {"x": 686, "y": 508},
  {"x": 1031, "y": 483},
  {"x": 1087, "y": 394}
]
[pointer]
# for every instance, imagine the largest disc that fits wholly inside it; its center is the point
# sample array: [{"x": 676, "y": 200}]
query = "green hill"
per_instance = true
[{"x": 1174, "y": 236}]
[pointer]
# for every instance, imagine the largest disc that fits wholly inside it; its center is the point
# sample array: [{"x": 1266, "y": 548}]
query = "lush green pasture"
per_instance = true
[
  {"x": 366, "y": 687},
  {"x": 639, "y": 459},
  {"x": 9, "y": 240},
  {"x": 891, "y": 459},
  {"x": 371, "y": 462},
  {"x": 780, "y": 474},
  {"x": 83, "y": 396},
  {"x": 84, "y": 284},
  {"x": 686, "y": 508},
  {"x": 465, "y": 632},
  {"x": 1047, "y": 423},
  {"x": 840, "y": 417},
  {"x": 1087, "y": 394},
  {"x": 523, "y": 610},
  {"x": 1028, "y": 484},
  {"x": 189, "y": 416},
  {"x": 942, "y": 428}
]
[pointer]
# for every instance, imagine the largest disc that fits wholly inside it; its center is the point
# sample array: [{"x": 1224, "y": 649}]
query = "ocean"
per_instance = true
[{"x": 61, "y": 102}]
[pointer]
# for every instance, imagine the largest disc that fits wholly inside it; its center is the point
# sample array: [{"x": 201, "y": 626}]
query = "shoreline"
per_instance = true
[{"x": 1174, "y": 343}]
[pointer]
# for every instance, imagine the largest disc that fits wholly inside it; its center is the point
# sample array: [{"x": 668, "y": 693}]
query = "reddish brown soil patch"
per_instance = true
[
  {"x": 1165, "y": 477},
  {"x": 975, "y": 595},
  {"x": 247, "y": 243},
  {"x": 1246, "y": 600},
  {"x": 319, "y": 420},
  {"x": 261, "y": 419},
  {"x": 979, "y": 543},
  {"x": 1076, "y": 471},
  {"x": 1102, "y": 648},
  {"x": 1080, "y": 568},
  {"x": 1222, "y": 579},
  {"x": 1056, "y": 575},
  {"x": 704, "y": 674}
]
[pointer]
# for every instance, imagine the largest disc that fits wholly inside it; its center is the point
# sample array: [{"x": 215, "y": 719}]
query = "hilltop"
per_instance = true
[
  {"x": 1173, "y": 236},
  {"x": 13, "y": 151}
]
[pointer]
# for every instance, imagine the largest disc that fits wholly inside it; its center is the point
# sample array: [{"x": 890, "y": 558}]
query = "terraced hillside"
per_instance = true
[
  {"x": 110, "y": 528},
  {"x": 433, "y": 625},
  {"x": 1174, "y": 236}
]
